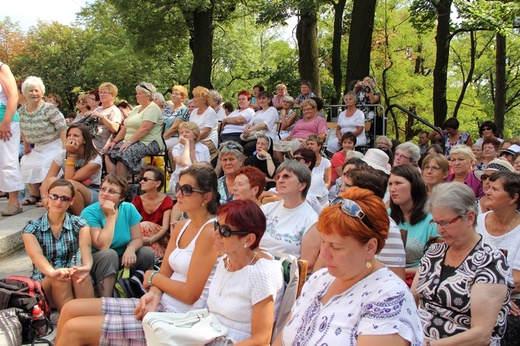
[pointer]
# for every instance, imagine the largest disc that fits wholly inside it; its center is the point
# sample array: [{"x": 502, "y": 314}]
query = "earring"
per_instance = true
[
  {"x": 245, "y": 246},
  {"x": 368, "y": 265}
]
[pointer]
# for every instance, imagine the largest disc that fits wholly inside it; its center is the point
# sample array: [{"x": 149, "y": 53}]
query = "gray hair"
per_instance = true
[
  {"x": 300, "y": 170},
  {"x": 455, "y": 196},
  {"x": 31, "y": 82},
  {"x": 463, "y": 149},
  {"x": 147, "y": 88},
  {"x": 412, "y": 149},
  {"x": 386, "y": 139},
  {"x": 215, "y": 96},
  {"x": 161, "y": 98},
  {"x": 289, "y": 99},
  {"x": 230, "y": 147}
]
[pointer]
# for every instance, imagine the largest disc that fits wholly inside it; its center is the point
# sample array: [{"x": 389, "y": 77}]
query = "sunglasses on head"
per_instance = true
[
  {"x": 226, "y": 232},
  {"x": 186, "y": 189},
  {"x": 145, "y": 88},
  {"x": 55, "y": 197},
  {"x": 353, "y": 209}
]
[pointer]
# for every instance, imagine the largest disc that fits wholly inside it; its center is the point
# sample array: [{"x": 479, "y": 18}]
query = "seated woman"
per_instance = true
[
  {"x": 188, "y": 151},
  {"x": 311, "y": 124},
  {"x": 288, "y": 117},
  {"x": 206, "y": 119},
  {"x": 435, "y": 168},
  {"x": 81, "y": 164},
  {"x": 116, "y": 235},
  {"x": 180, "y": 285},
  {"x": 263, "y": 160},
  {"x": 490, "y": 150},
  {"x": 462, "y": 160},
  {"x": 348, "y": 142},
  {"x": 407, "y": 200},
  {"x": 248, "y": 284},
  {"x": 463, "y": 284},
  {"x": 355, "y": 300},
  {"x": 175, "y": 115},
  {"x": 234, "y": 124},
  {"x": 59, "y": 247},
  {"x": 230, "y": 156},
  {"x": 323, "y": 165},
  {"x": 140, "y": 136},
  {"x": 291, "y": 221},
  {"x": 249, "y": 184},
  {"x": 155, "y": 208},
  {"x": 318, "y": 187}
]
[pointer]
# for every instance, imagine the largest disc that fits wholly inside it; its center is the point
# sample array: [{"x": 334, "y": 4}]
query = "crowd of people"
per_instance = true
[{"x": 406, "y": 244}]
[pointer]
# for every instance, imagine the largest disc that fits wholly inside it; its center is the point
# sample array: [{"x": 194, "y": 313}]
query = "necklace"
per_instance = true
[
  {"x": 229, "y": 274},
  {"x": 507, "y": 229}
]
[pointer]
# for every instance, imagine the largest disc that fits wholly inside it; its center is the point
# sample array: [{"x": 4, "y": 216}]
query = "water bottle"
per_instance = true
[{"x": 39, "y": 321}]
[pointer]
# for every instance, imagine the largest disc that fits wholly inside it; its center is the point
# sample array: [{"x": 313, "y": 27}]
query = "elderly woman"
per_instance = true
[
  {"x": 206, "y": 119},
  {"x": 291, "y": 222},
  {"x": 155, "y": 208},
  {"x": 408, "y": 197},
  {"x": 462, "y": 284},
  {"x": 305, "y": 92},
  {"x": 43, "y": 126},
  {"x": 490, "y": 149},
  {"x": 264, "y": 158},
  {"x": 497, "y": 165},
  {"x": 435, "y": 168},
  {"x": 311, "y": 124},
  {"x": 59, "y": 247},
  {"x": 355, "y": 300},
  {"x": 10, "y": 182},
  {"x": 175, "y": 115},
  {"x": 350, "y": 120},
  {"x": 234, "y": 124},
  {"x": 117, "y": 240},
  {"x": 230, "y": 156},
  {"x": 188, "y": 151},
  {"x": 384, "y": 142},
  {"x": 462, "y": 161},
  {"x": 215, "y": 102},
  {"x": 287, "y": 118},
  {"x": 407, "y": 153},
  {"x": 80, "y": 164},
  {"x": 125, "y": 109},
  {"x": 140, "y": 136},
  {"x": 249, "y": 184},
  {"x": 279, "y": 97},
  {"x": 108, "y": 115},
  {"x": 82, "y": 106},
  {"x": 180, "y": 285}
]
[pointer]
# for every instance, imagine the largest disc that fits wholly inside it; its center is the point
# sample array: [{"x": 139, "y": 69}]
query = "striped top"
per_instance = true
[{"x": 42, "y": 126}]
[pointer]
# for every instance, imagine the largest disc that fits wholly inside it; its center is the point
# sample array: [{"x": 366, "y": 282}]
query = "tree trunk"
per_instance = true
[
  {"x": 336, "y": 51},
  {"x": 469, "y": 78},
  {"x": 201, "y": 44},
  {"x": 500, "y": 83},
  {"x": 360, "y": 40},
  {"x": 440, "y": 74},
  {"x": 307, "y": 36}
]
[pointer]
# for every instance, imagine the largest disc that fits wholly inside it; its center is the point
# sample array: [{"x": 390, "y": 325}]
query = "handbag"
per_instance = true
[
  {"x": 90, "y": 122},
  {"x": 193, "y": 328},
  {"x": 11, "y": 327}
]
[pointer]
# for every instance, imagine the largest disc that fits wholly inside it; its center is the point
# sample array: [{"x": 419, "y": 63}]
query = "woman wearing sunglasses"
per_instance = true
[
  {"x": 180, "y": 285},
  {"x": 53, "y": 242},
  {"x": 155, "y": 208},
  {"x": 81, "y": 164},
  {"x": 248, "y": 285},
  {"x": 355, "y": 299}
]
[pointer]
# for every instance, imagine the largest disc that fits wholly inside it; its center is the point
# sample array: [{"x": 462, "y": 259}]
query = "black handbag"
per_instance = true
[{"x": 90, "y": 122}]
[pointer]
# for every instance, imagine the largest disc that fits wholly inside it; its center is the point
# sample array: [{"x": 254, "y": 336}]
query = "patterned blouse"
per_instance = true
[
  {"x": 42, "y": 126},
  {"x": 444, "y": 306}
]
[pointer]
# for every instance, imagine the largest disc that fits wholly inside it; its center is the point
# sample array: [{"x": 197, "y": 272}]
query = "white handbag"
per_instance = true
[{"x": 194, "y": 328}]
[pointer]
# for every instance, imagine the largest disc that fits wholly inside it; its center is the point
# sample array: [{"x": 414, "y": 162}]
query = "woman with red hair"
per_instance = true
[{"x": 234, "y": 124}]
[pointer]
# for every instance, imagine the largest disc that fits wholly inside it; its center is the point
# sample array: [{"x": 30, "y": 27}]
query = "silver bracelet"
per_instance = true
[{"x": 151, "y": 277}]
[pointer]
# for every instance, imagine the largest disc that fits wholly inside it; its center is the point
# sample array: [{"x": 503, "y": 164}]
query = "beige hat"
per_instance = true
[
  {"x": 377, "y": 159},
  {"x": 496, "y": 165}
]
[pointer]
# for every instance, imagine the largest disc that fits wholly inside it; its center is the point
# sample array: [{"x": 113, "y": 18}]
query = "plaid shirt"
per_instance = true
[{"x": 62, "y": 251}]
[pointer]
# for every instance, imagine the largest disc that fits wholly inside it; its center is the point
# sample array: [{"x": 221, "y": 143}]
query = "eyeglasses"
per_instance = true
[
  {"x": 299, "y": 158},
  {"x": 145, "y": 179},
  {"x": 55, "y": 197},
  {"x": 433, "y": 168},
  {"x": 307, "y": 109},
  {"x": 445, "y": 223},
  {"x": 79, "y": 101},
  {"x": 145, "y": 88},
  {"x": 186, "y": 190},
  {"x": 109, "y": 191},
  {"x": 226, "y": 232},
  {"x": 353, "y": 209},
  {"x": 486, "y": 128},
  {"x": 484, "y": 177},
  {"x": 403, "y": 156}
]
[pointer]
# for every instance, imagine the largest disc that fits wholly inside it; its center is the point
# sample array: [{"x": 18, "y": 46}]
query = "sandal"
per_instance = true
[
  {"x": 11, "y": 210},
  {"x": 31, "y": 200}
]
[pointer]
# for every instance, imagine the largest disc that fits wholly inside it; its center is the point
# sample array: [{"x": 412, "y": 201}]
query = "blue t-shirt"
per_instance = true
[{"x": 128, "y": 216}]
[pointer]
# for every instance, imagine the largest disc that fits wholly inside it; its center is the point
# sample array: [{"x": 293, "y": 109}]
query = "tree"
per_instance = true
[
  {"x": 12, "y": 40},
  {"x": 307, "y": 35}
]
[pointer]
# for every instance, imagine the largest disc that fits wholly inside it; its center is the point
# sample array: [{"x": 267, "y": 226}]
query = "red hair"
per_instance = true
[
  {"x": 255, "y": 176},
  {"x": 245, "y": 215},
  {"x": 245, "y": 92}
]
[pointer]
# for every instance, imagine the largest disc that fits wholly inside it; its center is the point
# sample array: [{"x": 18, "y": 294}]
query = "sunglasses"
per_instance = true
[
  {"x": 353, "y": 209},
  {"x": 299, "y": 158},
  {"x": 186, "y": 190},
  {"x": 145, "y": 88},
  {"x": 55, "y": 197},
  {"x": 226, "y": 232},
  {"x": 486, "y": 128},
  {"x": 145, "y": 179},
  {"x": 484, "y": 177}
]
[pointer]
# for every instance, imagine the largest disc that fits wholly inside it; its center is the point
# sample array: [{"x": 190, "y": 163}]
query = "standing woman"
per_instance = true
[
  {"x": 206, "y": 119},
  {"x": 44, "y": 126},
  {"x": 81, "y": 165},
  {"x": 452, "y": 136},
  {"x": 175, "y": 115},
  {"x": 139, "y": 137},
  {"x": 82, "y": 106},
  {"x": 234, "y": 124},
  {"x": 155, "y": 208},
  {"x": 279, "y": 97},
  {"x": 408, "y": 197},
  {"x": 350, "y": 120},
  {"x": 59, "y": 247},
  {"x": 10, "y": 181}
]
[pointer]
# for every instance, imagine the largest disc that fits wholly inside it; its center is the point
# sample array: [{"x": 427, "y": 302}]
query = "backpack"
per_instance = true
[
  {"x": 129, "y": 284},
  {"x": 24, "y": 293}
]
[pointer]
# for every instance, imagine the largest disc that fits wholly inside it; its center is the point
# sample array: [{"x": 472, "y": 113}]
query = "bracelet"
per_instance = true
[
  {"x": 70, "y": 163},
  {"x": 42, "y": 197},
  {"x": 151, "y": 277},
  {"x": 71, "y": 154}
]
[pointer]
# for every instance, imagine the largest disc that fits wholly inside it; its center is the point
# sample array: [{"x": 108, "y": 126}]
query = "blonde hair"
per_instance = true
[
  {"x": 112, "y": 89},
  {"x": 463, "y": 149},
  {"x": 190, "y": 125},
  {"x": 182, "y": 90},
  {"x": 203, "y": 93}
]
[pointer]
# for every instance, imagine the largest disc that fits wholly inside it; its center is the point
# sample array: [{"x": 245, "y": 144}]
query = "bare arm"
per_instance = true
[
  {"x": 262, "y": 322},
  {"x": 174, "y": 128},
  {"x": 327, "y": 176},
  {"x": 9, "y": 85},
  {"x": 383, "y": 340},
  {"x": 310, "y": 247}
]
